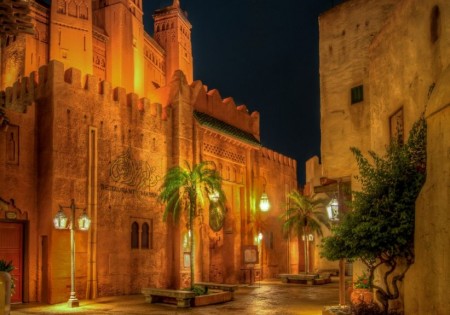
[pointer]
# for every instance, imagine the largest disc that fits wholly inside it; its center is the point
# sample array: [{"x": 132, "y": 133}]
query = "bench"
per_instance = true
[
  {"x": 322, "y": 278},
  {"x": 332, "y": 271},
  {"x": 182, "y": 298},
  {"x": 218, "y": 286},
  {"x": 301, "y": 278}
]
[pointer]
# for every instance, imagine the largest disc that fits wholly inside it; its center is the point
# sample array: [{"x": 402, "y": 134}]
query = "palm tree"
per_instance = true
[
  {"x": 304, "y": 216},
  {"x": 185, "y": 187}
]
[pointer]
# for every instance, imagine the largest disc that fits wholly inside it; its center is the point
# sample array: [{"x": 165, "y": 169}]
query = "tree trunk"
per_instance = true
[
  {"x": 305, "y": 246},
  {"x": 191, "y": 230}
]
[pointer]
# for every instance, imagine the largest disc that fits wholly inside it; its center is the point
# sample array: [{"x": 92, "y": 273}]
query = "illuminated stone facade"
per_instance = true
[
  {"x": 102, "y": 123},
  {"x": 398, "y": 51}
]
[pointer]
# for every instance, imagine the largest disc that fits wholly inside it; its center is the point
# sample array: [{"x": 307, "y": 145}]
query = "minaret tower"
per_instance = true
[
  {"x": 71, "y": 33},
  {"x": 122, "y": 21},
  {"x": 173, "y": 32}
]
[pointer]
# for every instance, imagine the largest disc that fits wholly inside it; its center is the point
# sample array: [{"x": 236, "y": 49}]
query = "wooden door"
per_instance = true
[{"x": 11, "y": 249}]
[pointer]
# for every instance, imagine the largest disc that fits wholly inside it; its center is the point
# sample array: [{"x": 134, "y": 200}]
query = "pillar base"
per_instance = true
[{"x": 73, "y": 302}]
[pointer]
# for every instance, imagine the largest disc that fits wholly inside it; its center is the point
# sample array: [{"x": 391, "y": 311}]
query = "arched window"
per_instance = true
[
  {"x": 61, "y": 7},
  {"x": 144, "y": 236},
  {"x": 83, "y": 11},
  {"x": 135, "y": 235},
  {"x": 72, "y": 8},
  {"x": 435, "y": 25}
]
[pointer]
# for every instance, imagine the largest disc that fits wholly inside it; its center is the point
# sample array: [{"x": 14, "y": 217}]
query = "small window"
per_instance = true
[
  {"x": 357, "y": 94},
  {"x": 72, "y": 9},
  {"x": 144, "y": 236},
  {"x": 135, "y": 235},
  {"x": 435, "y": 26},
  {"x": 396, "y": 127},
  {"x": 84, "y": 11},
  {"x": 61, "y": 7}
]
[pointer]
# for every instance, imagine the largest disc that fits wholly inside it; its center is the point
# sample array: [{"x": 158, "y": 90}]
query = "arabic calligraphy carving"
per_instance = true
[{"x": 139, "y": 174}]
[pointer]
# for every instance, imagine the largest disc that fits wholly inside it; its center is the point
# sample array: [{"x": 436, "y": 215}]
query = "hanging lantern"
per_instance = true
[
  {"x": 264, "y": 203},
  {"x": 214, "y": 195},
  {"x": 333, "y": 210},
  {"x": 60, "y": 220},
  {"x": 84, "y": 222}
]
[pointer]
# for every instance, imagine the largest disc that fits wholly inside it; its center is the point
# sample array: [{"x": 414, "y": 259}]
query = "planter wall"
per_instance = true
[{"x": 5, "y": 292}]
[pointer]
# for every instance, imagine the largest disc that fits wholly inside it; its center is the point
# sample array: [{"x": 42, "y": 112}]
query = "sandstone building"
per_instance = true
[
  {"x": 98, "y": 111},
  {"x": 383, "y": 63}
]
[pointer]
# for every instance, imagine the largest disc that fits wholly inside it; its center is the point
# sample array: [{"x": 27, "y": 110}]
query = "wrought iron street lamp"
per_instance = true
[
  {"x": 333, "y": 215},
  {"x": 60, "y": 222}
]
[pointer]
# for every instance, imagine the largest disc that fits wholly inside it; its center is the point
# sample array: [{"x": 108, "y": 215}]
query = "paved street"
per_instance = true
[{"x": 270, "y": 297}]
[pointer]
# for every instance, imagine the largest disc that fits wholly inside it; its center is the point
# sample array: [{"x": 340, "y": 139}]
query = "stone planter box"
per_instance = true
[
  {"x": 5, "y": 292},
  {"x": 185, "y": 299},
  {"x": 213, "y": 297}
]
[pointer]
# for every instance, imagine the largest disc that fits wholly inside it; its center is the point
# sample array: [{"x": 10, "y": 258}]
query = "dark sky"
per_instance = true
[{"x": 264, "y": 54}]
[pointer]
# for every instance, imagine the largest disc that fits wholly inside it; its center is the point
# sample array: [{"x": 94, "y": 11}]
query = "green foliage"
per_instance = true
[
  {"x": 6, "y": 266},
  {"x": 200, "y": 290},
  {"x": 305, "y": 215},
  {"x": 362, "y": 282},
  {"x": 380, "y": 229},
  {"x": 184, "y": 187}
]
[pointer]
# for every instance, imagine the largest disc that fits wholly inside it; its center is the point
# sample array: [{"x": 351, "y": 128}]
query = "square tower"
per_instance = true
[{"x": 172, "y": 31}]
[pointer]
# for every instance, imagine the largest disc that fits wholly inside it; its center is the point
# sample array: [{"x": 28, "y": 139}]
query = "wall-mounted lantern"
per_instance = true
[
  {"x": 264, "y": 203},
  {"x": 333, "y": 210},
  {"x": 214, "y": 196}
]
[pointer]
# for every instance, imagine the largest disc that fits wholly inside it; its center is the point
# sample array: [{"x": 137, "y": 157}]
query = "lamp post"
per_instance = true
[
  {"x": 60, "y": 222},
  {"x": 333, "y": 215}
]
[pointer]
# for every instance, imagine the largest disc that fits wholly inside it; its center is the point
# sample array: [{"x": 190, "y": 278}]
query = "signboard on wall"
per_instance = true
[{"x": 250, "y": 254}]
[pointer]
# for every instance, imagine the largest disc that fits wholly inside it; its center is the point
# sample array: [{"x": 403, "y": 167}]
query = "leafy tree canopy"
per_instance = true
[{"x": 382, "y": 220}]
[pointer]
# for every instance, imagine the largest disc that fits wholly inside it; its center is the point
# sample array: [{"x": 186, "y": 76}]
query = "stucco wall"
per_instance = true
[
  {"x": 345, "y": 33},
  {"x": 409, "y": 69}
]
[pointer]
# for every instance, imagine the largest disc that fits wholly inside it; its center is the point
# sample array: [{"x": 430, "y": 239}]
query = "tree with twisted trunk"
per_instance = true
[{"x": 380, "y": 229}]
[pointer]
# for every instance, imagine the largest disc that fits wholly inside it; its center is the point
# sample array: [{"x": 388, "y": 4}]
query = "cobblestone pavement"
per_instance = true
[{"x": 269, "y": 297}]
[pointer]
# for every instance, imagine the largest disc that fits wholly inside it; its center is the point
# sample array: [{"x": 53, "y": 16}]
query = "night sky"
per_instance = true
[{"x": 264, "y": 54}]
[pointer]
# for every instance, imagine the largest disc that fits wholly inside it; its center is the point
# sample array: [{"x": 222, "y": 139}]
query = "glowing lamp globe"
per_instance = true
[
  {"x": 60, "y": 220},
  {"x": 264, "y": 203},
  {"x": 214, "y": 196},
  {"x": 333, "y": 210},
  {"x": 84, "y": 222}
]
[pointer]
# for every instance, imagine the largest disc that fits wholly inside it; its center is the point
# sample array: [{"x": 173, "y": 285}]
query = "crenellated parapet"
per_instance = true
[
  {"x": 211, "y": 103},
  {"x": 279, "y": 158},
  {"x": 21, "y": 95},
  {"x": 53, "y": 76}
]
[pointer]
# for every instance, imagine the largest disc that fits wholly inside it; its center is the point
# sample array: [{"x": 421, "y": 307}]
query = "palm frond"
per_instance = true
[{"x": 304, "y": 213}]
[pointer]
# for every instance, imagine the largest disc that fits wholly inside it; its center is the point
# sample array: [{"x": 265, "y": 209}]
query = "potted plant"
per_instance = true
[
  {"x": 6, "y": 281},
  {"x": 362, "y": 290}
]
